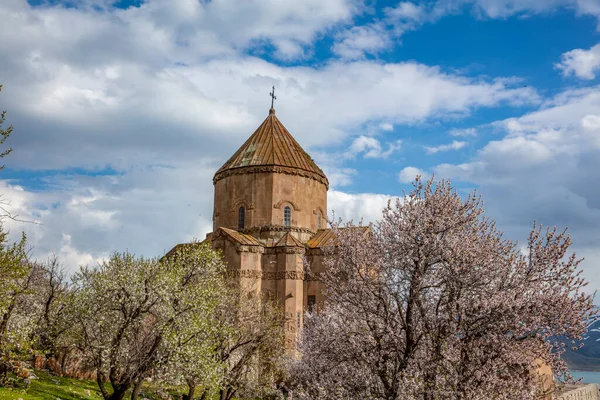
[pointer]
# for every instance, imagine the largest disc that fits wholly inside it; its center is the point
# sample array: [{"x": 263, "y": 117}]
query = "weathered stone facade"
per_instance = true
[
  {"x": 269, "y": 214},
  {"x": 580, "y": 392}
]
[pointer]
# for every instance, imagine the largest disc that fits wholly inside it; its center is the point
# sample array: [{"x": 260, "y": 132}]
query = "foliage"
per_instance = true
[
  {"x": 17, "y": 309},
  {"x": 436, "y": 304},
  {"x": 250, "y": 345},
  {"x": 230, "y": 345},
  {"x": 135, "y": 315},
  {"x": 55, "y": 306},
  {"x": 188, "y": 353},
  {"x": 118, "y": 319},
  {"x": 4, "y": 134}
]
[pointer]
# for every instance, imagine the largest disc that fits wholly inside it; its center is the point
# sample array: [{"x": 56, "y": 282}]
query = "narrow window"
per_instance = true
[
  {"x": 287, "y": 216},
  {"x": 319, "y": 221},
  {"x": 241, "y": 218},
  {"x": 312, "y": 301}
]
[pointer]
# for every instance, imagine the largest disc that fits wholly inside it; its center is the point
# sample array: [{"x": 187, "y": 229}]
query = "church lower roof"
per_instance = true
[
  {"x": 289, "y": 241},
  {"x": 327, "y": 237},
  {"x": 271, "y": 145},
  {"x": 239, "y": 237},
  {"x": 322, "y": 238}
]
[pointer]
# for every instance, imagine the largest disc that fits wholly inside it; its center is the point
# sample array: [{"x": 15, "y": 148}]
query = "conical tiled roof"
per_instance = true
[{"x": 272, "y": 145}]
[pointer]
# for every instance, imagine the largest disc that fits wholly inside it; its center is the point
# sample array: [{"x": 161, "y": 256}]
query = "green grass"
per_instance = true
[{"x": 52, "y": 387}]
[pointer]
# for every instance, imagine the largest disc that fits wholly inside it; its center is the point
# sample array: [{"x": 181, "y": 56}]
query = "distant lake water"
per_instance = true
[{"x": 588, "y": 376}]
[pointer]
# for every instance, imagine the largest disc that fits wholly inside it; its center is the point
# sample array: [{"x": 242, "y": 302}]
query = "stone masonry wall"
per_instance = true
[{"x": 581, "y": 392}]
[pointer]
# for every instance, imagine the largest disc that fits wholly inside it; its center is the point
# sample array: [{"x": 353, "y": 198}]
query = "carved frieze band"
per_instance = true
[
  {"x": 270, "y": 250},
  {"x": 285, "y": 250},
  {"x": 272, "y": 275},
  {"x": 276, "y": 228},
  {"x": 250, "y": 249},
  {"x": 271, "y": 169}
]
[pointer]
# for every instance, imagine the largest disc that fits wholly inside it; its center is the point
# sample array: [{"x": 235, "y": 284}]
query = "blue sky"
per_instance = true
[{"x": 123, "y": 110}]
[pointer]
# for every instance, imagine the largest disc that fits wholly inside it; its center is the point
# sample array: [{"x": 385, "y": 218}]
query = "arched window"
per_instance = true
[
  {"x": 241, "y": 218},
  {"x": 287, "y": 216},
  {"x": 319, "y": 221}
]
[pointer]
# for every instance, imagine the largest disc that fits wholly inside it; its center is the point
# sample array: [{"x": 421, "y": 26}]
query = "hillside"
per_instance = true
[
  {"x": 588, "y": 357},
  {"x": 51, "y": 387}
]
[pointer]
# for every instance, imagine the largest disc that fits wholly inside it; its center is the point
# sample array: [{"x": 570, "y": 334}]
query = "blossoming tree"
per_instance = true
[{"x": 432, "y": 302}]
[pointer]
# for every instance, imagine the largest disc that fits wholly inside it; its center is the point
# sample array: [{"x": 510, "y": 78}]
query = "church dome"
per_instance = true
[{"x": 271, "y": 148}]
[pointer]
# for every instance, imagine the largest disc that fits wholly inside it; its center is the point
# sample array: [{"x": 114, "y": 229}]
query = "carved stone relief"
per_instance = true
[{"x": 271, "y": 169}]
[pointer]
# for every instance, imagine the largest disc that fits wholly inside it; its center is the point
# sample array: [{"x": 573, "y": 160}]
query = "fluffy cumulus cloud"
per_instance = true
[
  {"x": 407, "y": 11},
  {"x": 103, "y": 88},
  {"x": 85, "y": 219},
  {"x": 408, "y": 174},
  {"x": 373, "y": 38},
  {"x": 584, "y": 64},
  {"x": 360, "y": 207},
  {"x": 370, "y": 147},
  {"x": 357, "y": 42}
]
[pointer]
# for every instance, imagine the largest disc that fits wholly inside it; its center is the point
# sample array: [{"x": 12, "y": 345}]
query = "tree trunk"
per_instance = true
[
  {"x": 223, "y": 394},
  {"x": 63, "y": 362},
  {"x": 6, "y": 316},
  {"x": 100, "y": 381},
  {"x": 3, "y": 373},
  {"x": 191, "y": 389},
  {"x": 204, "y": 395},
  {"x": 230, "y": 393},
  {"x": 118, "y": 393},
  {"x": 136, "y": 389}
]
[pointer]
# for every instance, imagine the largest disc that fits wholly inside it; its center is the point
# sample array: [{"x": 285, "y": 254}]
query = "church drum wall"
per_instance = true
[
  {"x": 306, "y": 197},
  {"x": 252, "y": 191}
]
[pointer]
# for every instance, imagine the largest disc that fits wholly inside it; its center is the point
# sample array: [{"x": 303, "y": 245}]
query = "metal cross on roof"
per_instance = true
[{"x": 273, "y": 97}]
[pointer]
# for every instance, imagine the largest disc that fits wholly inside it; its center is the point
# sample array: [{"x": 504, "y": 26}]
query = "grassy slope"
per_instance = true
[{"x": 50, "y": 387}]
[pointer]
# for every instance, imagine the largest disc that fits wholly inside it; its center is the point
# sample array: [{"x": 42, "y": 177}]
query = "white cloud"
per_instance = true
[
  {"x": 583, "y": 64},
  {"x": 367, "y": 207},
  {"x": 371, "y": 147},
  {"x": 340, "y": 176},
  {"x": 83, "y": 219},
  {"x": 463, "y": 132},
  {"x": 358, "y": 41},
  {"x": 455, "y": 145},
  {"x": 387, "y": 127},
  {"x": 507, "y": 8},
  {"x": 99, "y": 118},
  {"x": 407, "y": 11},
  {"x": 408, "y": 174}
]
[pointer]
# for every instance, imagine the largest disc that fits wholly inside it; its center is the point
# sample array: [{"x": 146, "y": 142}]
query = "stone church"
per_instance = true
[{"x": 270, "y": 212}]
